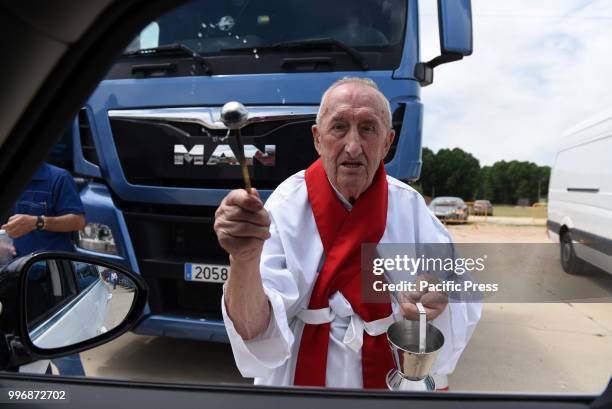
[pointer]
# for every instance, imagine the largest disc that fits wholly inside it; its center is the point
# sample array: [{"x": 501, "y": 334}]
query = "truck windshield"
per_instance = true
[{"x": 220, "y": 27}]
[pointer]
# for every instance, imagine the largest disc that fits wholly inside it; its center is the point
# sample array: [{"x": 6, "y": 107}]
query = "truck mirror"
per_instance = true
[
  {"x": 424, "y": 73},
  {"x": 455, "y": 21},
  {"x": 455, "y": 25}
]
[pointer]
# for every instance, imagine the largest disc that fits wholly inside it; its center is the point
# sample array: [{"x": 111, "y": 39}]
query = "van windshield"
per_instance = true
[{"x": 216, "y": 27}]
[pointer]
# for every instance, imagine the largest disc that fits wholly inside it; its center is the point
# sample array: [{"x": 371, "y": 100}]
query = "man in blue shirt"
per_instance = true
[
  {"x": 47, "y": 213},
  {"x": 45, "y": 217}
]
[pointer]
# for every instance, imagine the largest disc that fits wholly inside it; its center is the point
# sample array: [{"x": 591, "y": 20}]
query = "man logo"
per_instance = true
[
  {"x": 182, "y": 155},
  {"x": 223, "y": 155}
]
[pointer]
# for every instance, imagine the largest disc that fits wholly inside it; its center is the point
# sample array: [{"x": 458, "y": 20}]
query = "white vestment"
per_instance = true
[{"x": 291, "y": 260}]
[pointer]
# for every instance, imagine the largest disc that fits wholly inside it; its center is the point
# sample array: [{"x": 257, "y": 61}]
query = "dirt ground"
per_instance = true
[{"x": 479, "y": 232}]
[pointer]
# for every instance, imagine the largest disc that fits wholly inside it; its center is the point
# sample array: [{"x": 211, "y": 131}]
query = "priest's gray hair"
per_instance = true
[{"x": 366, "y": 82}]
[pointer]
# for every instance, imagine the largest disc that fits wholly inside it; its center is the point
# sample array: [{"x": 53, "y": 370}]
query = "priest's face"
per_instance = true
[{"x": 352, "y": 137}]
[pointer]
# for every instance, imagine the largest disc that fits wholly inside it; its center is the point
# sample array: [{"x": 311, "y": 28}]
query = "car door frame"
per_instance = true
[{"x": 47, "y": 113}]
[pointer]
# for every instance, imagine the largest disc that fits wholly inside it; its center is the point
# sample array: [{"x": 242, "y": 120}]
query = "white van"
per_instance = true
[{"x": 580, "y": 196}]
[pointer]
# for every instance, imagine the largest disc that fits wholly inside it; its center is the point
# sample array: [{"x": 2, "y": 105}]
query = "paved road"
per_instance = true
[{"x": 560, "y": 347}]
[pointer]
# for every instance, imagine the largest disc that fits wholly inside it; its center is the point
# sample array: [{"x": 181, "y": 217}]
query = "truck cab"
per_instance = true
[{"x": 154, "y": 159}]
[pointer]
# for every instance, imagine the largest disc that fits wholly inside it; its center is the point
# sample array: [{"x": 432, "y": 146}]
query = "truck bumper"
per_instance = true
[{"x": 180, "y": 327}]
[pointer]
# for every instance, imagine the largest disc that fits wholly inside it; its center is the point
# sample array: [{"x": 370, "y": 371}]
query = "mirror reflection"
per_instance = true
[{"x": 68, "y": 302}]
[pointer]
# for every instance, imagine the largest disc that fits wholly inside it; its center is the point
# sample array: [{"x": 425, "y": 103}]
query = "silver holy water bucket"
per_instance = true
[{"x": 413, "y": 366}]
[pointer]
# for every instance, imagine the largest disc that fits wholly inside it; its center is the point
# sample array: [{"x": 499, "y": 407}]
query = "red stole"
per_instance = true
[{"x": 342, "y": 233}]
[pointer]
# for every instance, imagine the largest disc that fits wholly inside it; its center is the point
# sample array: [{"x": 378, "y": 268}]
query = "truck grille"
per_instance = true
[
  {"x": 153, "y": 151},
  {"x": 166, "y": 237}
]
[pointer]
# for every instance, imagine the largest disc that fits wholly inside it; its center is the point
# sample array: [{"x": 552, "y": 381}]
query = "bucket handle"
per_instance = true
[{"x": 422, "y": 327}]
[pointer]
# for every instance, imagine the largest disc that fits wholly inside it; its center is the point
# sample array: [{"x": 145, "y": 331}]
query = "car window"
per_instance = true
[
  {"x": 49, "y": 287},
  {"x": 445, "y": 202},
  {"x": 86, "y": 274},
  {"x": 515, "y": 294}
]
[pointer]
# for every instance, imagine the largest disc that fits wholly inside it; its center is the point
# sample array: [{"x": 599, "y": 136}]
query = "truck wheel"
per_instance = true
[{"x": 570, "y": 263}]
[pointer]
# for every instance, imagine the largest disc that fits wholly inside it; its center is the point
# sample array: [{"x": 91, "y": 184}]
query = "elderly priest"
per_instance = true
[{"x": 293, "y": 304}]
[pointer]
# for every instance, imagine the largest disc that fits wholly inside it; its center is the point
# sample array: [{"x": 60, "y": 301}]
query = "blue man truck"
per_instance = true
[{"x": 153, "y": 156}]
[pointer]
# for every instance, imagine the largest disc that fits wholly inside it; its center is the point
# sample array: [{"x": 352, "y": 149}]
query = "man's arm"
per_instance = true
[
  {"x": 246, "y": 302},
  {"x": 21, "y": 224},
  {"x": 65, "y": 223},
  {"x": 242, "y": 226}
]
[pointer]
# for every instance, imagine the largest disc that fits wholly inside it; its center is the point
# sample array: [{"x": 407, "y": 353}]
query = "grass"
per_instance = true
[{"x": 518, "y": 211}]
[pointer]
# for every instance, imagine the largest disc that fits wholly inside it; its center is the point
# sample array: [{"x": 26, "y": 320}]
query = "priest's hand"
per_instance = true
[
  {"x": 434, "y": 302},
  {"x": 242, "y": 225}
]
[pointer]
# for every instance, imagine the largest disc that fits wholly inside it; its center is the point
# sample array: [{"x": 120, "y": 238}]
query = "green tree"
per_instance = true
[
  {"x": 454, "y": 172},
  {"x": 457, "y": 173},
  {"x": 428, "y": 172},
  {"x": 506, "y": 182},
  {"x": 485, "y": 190}
]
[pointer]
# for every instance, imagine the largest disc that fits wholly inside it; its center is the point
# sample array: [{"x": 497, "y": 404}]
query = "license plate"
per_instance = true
[{"x": 208, "y": 273}]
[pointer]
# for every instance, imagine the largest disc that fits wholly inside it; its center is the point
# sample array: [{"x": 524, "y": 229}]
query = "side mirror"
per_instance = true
[
  {"x": 67, "y": 303},
  {"x": 455, "y": 26}
]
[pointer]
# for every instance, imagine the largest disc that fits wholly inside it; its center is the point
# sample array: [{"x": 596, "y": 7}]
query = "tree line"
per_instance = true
[{"x": 454, "y": 172}]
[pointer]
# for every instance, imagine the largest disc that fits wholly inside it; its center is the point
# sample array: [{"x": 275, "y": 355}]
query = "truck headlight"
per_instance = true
[{"x": 97, "y": 237}]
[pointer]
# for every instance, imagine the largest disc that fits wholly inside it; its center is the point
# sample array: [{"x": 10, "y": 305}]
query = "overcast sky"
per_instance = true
[{"x": 538, "y": 68}]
